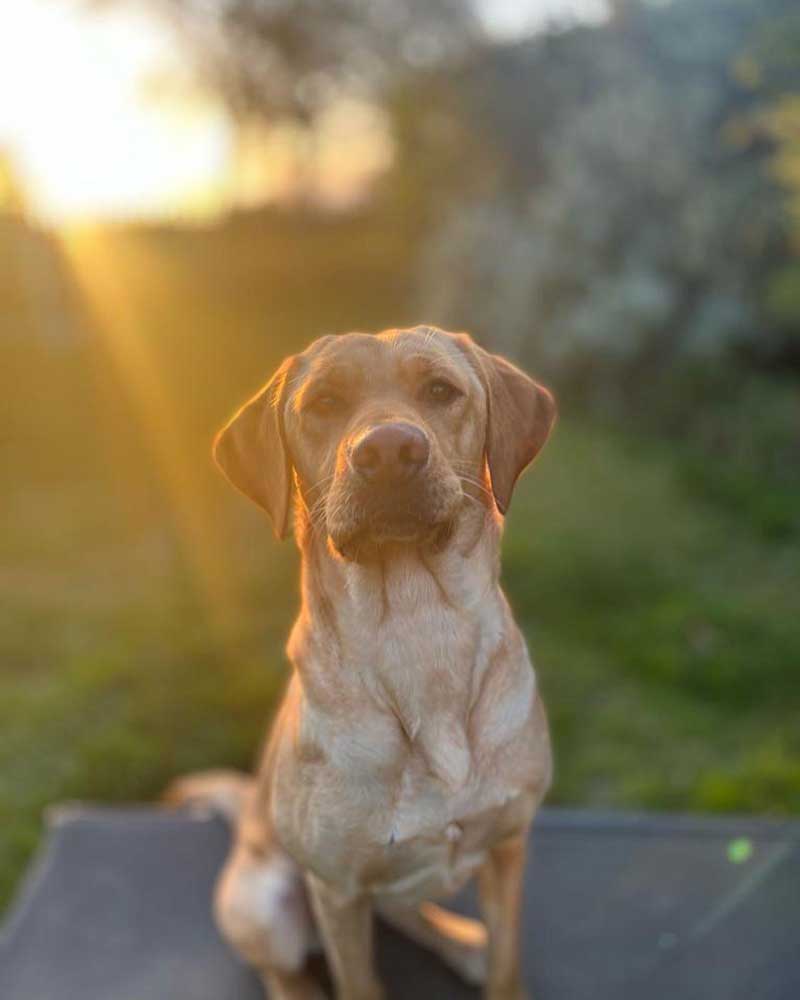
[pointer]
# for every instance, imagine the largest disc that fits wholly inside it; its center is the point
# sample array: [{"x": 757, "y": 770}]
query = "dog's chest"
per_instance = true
[
  {"x": 377, "y": 817},
  {"x": 425, "y": 808},
  {"x": 435, "y": 840},
  {"x": 427, "y": 831},
  {"x": 422, "y": 666},
  {"x": 436, "y": 764}
]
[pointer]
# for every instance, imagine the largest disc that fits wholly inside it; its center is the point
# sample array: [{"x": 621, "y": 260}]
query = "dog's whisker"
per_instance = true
[
  {"x": 317, "y": 508},
  {"x": 482, "y": 484},
  {"x": 321, "y": 484},
  {"x": 476, "y": 485}
]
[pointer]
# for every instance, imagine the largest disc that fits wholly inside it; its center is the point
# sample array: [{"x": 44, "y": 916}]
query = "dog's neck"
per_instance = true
[{"x": 416, "y": 631}]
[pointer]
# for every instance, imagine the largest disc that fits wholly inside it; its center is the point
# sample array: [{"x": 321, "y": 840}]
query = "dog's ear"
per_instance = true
[
  {"x": 251, "y": 450},
  {"x": 520, "y": 416}
]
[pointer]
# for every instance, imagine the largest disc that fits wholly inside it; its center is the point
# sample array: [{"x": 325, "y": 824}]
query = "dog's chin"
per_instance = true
[
  {"x": 368, "y": 525},
  {"x": 377, "y": 537}
]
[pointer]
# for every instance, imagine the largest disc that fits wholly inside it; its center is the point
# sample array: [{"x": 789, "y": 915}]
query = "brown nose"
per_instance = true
[{"x": 390, "y": 453}]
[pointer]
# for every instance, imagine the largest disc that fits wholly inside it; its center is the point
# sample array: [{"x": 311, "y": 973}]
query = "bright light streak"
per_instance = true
[{"x": 112, "y": 308}]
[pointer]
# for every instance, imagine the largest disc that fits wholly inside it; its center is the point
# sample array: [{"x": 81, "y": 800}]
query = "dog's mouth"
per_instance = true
[
  {"x": 361, "y": 524},
  {"x": 368, "y": 543}
]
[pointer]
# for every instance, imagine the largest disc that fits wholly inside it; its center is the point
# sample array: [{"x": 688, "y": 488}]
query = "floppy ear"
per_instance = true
[
  {"x": 520, "y": 416},
  {"x": 251, "y": 451}
]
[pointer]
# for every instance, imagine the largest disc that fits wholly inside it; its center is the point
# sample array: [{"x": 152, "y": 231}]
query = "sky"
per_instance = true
[
  {"x": 88, "y": 140},
  {"x": 511, "y": 18}
]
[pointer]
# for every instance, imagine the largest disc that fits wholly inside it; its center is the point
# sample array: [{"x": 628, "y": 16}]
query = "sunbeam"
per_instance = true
[{"x": 114, "y": 316}]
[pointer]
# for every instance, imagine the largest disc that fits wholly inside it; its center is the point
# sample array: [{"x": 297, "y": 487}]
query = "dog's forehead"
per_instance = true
[
  {"x": 343, "y": 350},
  {"x": 374, "y": 353}
]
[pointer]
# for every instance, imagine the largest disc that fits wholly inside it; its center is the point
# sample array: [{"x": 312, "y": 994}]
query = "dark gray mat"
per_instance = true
[{"x": 617, "y": 906}]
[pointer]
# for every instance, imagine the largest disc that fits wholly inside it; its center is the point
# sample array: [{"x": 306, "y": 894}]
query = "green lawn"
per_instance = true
[{"x": 144, "y": 606}]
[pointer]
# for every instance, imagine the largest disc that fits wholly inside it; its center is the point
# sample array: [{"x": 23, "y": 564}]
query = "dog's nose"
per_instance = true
[{"x": 390, "y": 453}]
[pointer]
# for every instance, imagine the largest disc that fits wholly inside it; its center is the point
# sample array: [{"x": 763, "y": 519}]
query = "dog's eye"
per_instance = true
[
  {"x": 440, "y": 391},
  {"x": 327, "y": 404}
]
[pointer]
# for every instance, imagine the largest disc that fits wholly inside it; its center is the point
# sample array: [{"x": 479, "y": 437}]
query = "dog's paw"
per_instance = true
[{"x": 460, "y": 942}]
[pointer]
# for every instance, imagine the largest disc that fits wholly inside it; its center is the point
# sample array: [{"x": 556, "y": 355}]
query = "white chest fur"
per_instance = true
[{"x": 419, "y": 696}]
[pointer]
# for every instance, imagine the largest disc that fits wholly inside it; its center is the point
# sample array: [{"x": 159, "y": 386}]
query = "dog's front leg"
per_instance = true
[
  {"x": 500, "y": 885},
  {"x": 345, "y": 924}
]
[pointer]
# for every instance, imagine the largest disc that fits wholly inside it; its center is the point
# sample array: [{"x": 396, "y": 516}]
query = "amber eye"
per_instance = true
[
  {"x": 439, "y": 391},
  {"x": 327, "y": 404}
]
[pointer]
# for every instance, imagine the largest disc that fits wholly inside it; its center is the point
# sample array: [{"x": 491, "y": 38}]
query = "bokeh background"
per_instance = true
[{"x": 607, "y": 192}]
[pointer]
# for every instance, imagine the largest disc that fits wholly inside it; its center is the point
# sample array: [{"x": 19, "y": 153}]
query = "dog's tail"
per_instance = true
[{"x": 222, "y": 791}]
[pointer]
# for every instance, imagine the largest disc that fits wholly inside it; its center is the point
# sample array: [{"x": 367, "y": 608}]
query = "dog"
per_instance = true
[{"x": 411, "y": 750}]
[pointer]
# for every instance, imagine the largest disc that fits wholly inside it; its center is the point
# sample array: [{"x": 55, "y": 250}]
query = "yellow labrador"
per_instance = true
[{"x": 411, "y": 750}]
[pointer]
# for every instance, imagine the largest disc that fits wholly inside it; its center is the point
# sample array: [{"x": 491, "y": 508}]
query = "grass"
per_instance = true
[
  {"x": 144, "y": 607},
  {"x": 665, "y": 634}
]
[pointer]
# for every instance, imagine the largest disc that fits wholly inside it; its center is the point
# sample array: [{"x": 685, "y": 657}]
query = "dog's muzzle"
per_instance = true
[{"x": 391, "y": 489}]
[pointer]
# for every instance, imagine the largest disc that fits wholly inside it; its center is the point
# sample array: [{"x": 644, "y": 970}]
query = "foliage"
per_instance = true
[
  {"x": 634, "y": 217},
  {"x": 273, "y": 59}
]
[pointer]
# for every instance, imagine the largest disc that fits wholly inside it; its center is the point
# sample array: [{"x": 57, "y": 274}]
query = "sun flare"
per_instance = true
[{"x": 78, "y": 125}]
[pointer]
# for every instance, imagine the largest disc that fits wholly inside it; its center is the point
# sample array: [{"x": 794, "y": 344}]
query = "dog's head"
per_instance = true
[{"x": 386, "y": 437}]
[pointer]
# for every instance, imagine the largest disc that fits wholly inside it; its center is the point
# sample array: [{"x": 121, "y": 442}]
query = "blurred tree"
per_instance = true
[
  {"x": 280, "y": 67},
  {"x": 782, "y": 123},
  {"x": 629, "y": 216},
  {"x": 772, "y": 61},
  {"x": 291, "y": 58}
]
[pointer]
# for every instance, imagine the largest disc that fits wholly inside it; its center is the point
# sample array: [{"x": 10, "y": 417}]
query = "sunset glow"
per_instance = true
[
  {"x": 88, "y": 138},
  {"x": 79, "y": 127}
]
